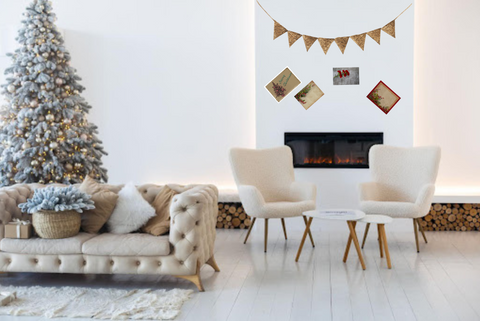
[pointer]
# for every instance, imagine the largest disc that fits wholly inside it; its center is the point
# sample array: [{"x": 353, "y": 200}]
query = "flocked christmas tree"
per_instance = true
[{"x": 45, "y": 136}]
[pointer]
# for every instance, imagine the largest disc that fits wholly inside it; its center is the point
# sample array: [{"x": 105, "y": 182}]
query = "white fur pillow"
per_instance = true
[{"x": 131, "y": 213}]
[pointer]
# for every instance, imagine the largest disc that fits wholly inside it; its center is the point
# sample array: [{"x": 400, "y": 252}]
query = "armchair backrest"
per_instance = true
[
  {"x": 402, "y": 172},
  {"x": 269, "y": 170}
]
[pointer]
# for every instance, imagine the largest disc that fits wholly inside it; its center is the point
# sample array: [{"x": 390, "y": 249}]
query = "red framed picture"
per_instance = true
[{"x": 383, "y": 97}]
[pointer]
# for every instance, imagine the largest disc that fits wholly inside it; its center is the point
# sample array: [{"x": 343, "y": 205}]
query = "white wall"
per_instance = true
[
  {"x": 447, "y": 112},
  {"x": 171, "y": 82},
  {"x": 343, "y": 108}
]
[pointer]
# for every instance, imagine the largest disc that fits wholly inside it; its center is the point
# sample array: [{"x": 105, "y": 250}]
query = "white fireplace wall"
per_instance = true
[{"x": 343, "y": 108}]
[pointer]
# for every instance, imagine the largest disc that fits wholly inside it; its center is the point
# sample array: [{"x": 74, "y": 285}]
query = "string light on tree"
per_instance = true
[{"x": 45, "y": 135}]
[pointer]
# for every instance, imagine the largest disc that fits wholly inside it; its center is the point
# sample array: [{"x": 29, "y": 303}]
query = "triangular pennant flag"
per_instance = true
[
  {"x": 278, "y": 30},
  {"x": 360, "y": 40},
  {"x": 342, "y": 43},
  {"x": 292, "y": 37},
  {"x": 390, "y": 28},
  {"x": 375, "y": 34},
  {"x": 309, "y": 41},
  {"x": 325, "y": 43}
]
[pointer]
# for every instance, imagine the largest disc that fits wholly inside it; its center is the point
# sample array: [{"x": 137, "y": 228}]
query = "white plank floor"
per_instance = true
[{"x": 440, "y": 283}]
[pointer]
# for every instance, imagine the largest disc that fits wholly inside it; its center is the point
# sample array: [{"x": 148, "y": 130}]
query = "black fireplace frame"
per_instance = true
[{"x": 344, "y": 135}]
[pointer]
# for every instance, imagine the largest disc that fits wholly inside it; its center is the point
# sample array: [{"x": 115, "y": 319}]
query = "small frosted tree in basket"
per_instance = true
[{"x": 45, "y": 136}]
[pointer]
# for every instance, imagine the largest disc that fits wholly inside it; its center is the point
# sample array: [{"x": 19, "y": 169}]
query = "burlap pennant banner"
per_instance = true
[
  {"x": 341, "y": 42},
  {"x": 325, "y": 43},
  {"x": 375, "y": 34},
  {"x": 278, "y": 30},
  {"x": 309, "y": 41},
  {"x": 293, "y": 37},
  {"x": 389, "y": 28},
  {"x": 359, "y": 40}
]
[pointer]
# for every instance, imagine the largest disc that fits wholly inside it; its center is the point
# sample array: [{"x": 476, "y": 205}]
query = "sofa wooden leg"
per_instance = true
[
  {"x": 365, "y": 234},
  {"x": 250, "y": 230},
  {"x": 213, "y": 264},
  {"x": 195, "y": 278},
  {"x": 421, "y": 230},
  {"x": 415, "y": 230}
]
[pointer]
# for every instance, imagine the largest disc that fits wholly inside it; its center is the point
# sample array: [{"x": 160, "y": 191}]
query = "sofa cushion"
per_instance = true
[
  {"x": 131, "y": 212},
  {"x": 136, "y": 244},
  {"x": 71, "y": 245},
  {"x": 160, "y": 223},
  {"x": 104, "y": 200}
]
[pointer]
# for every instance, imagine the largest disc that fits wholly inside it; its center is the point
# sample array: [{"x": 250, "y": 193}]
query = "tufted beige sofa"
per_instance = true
[{"x": 182, "y": 253}]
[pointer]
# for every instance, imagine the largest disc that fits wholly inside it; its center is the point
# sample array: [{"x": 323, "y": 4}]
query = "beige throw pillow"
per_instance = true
[
  {"x": 104, "y": 201},
  {"x": 160, "y": 223}
]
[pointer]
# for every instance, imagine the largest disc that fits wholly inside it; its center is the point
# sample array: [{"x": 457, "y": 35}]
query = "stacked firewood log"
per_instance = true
[
  {"x": 452, "y": 217},
  {"x": 232, "y": 215}
]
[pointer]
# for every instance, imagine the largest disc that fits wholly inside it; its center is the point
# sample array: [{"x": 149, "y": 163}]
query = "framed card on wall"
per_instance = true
[
  {"x": 383, "y": 97},
  {"x": 309, "y": 95},
  {"x": 282, "y": 84},
  {"x": 346, "y": 76}
]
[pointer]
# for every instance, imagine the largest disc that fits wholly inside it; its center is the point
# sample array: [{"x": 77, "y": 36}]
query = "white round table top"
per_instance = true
[
  {"x": 376, "y": 219},
  {"x": 336, "y": 214}
]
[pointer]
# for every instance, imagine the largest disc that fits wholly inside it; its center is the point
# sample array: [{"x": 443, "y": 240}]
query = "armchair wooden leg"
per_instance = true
[
  {"x": 213, "y": 264},
  {"x": 284, "y": 229},
  {"x": 309, "y": 231},
  {"x": 266, "y": 234},
  {"x": 365, "y": 235},
  {"x": 421, "y": 230},
  {"x": 415, "y": 230},
  {"x": 195, "y": 278},
  {"x": 249, "y": 230}
]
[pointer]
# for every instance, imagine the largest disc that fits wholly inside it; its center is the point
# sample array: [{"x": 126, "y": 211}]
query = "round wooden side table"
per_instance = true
[
  {"x": 350, "y": 216},
  {"x": 380, "y": 220}
]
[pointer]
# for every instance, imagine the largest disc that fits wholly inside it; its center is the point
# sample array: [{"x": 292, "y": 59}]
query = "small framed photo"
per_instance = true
[
  {"x": 346, "y": 76},
  {"x": 282, "y": 85},
  {"x": 309, "y": 95},
  {"x": 383, "y": 97}
]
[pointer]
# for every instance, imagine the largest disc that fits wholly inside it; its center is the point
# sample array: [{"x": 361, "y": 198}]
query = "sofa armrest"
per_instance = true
[
  {"x": 10, "y": 197},
  {"x": 424, "y": 198},
  {"x": 303, "y": 191},
  {"x": 193, "y": 218},
  {"x": 369, "y": 191}
]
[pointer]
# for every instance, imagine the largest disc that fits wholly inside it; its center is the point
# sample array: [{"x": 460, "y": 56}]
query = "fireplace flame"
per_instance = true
[{"x": 329, "y": 160}]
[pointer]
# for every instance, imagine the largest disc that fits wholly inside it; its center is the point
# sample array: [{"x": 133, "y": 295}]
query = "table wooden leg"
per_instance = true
[
  {"x": 385, "y": 244},
  {"x": 365, "y": 234},
  {"x": 351, "y": 226},
  {"x": 347, "y": 248},
  {"x": 380, "y": 240},
  {"x": 307, "y": 230}
]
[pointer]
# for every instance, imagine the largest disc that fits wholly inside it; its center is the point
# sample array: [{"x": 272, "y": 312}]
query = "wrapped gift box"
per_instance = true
[{"x": 18, "y": 230}]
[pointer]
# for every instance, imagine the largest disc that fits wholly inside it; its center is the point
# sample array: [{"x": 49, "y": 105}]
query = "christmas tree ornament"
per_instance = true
[
  {"x": 49, "y": 117},
  {"x": 11, "y": 88},
  {"x": 34, "y": 103}
]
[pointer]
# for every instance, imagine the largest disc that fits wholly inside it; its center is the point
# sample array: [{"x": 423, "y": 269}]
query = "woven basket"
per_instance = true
[{"x": 56, "y": 225}]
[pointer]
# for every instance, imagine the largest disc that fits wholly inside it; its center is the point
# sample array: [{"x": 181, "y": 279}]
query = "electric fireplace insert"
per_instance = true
[{"x": 331, "y": 150}]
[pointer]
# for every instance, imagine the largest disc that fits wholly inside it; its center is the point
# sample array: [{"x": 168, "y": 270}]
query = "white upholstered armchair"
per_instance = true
[
  {"x": 267, "y": 188},
  {"x": 403, "y": 183}
]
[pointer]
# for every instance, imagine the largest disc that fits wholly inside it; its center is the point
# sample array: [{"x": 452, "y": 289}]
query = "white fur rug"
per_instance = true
[{"x": 109, "y": 304}]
